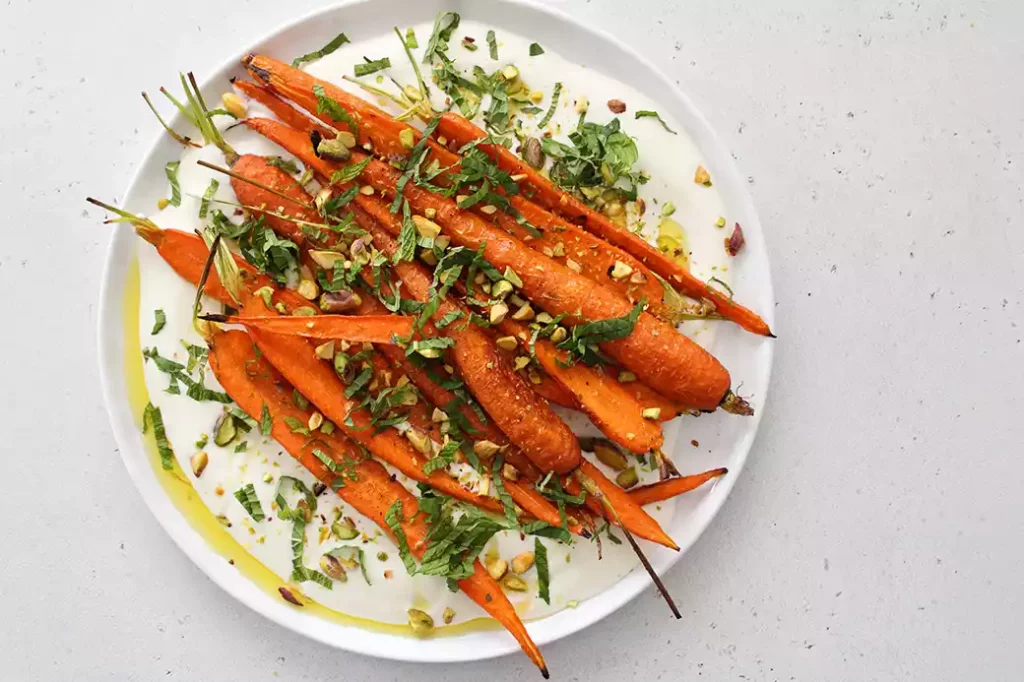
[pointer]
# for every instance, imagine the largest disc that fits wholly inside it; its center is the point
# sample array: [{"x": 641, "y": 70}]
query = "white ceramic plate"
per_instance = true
[{"x": 725, "y": 440}]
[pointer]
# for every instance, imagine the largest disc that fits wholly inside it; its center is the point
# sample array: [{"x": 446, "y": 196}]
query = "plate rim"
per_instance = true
[{"x": 110, "y": 353}]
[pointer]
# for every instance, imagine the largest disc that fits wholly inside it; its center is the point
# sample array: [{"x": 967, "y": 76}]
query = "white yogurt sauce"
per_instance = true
[{"x": 576, "y": 573}]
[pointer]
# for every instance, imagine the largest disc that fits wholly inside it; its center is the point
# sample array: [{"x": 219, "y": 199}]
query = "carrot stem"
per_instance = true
[{"x": 238, "y": 176}]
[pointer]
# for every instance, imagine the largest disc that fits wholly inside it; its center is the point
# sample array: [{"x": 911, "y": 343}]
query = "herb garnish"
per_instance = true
[
  {"x": 287, "y": 165},
  {"x": 204, "y": 205},
  {"x": 159, "y": 322},
  {"x": 540, "y": 554},
  {"x": 503, "y": 495},
  {"x": 372, "y": 66},
  {"x": 197, "y": 390},
  {"x": 600, "y": 156},
  {"x": 444, "y": 25},
  {"x": 153, "y": 419},
  {"x": 654, "y": 114},
  {"x": 266, "y": 423},
  {"x": 171, "y": 170},
  {"x": 554, "y": 105},
  {"x": 582, "y": 341},
  {"x": 327, "y": 49},
  {"x": 246, "y": 496},
  {"x": 394, "y": 518},
  {"x": 492, "y": 44},
  {"x": 326, "y": 105},
  {"x": 536, "y": 49}
]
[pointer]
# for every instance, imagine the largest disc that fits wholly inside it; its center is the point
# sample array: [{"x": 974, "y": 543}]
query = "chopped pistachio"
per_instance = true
[
  {"x": 233, "y": 104},
  {"x": 316, "y": 420},
  {"x": 510, "y": 472},
  {"x": 325, "y": 351},
  {"x": 325, "y": 259},
  {"x": 510, "y": 72},
  {"x": 559, "y": 250},
  {"x": 304, "y": 311},
  {"x": 430, "y": 213},
  {"x": 582, "y": 104},
  {"x": 501, "y": 289},
  {"x": 522, "y": 563},
  {"x": 199, "y": 462},
  {"x": 344, "y": 530},
  {"x": 626, "y": 377},
  {"x": 702, "y": 177},
  {"x": 620, "y": 270},
  {"x": 442, "y": 241},
  {"x": 449, "y": 615},
  {"x": 225, "y": 430},
  {"x": 429, "y": 258},
  {"x": 382, "y": 556},
  {"x": 498, "y": 312},
  {"x": 496, "y": 568},
  {"x": 572, "y": 603},
  {"x": 559, "y": 335},
  {"x": 515, "y": 583},
  {"x": 268, "y": 478},
  {"x": 628, "y": 478},
  {"x": 406, "y": 138},
  {"x": 720, "y": 222},
  {"x": 308, "y": 289},
  {"x": 347, "y": 139},
  {"x": 524, "y": 313},
  {"x": 332, "y": 568},
  {"x": 426, "y": 227},
  {"x": 533, "y": 153},
  {"x": 421, "y": 622},
  {"x": 439, "y": 415},
  {"x": 543, "y": 318},
  {"x": 162, "y": 204},
  {"x": 333, "y": 149},
  {"x": 573, "y": 265},
  {"x": 638, "y": 277},
  {"x": 521, "y": 362},
  {"x": 507, "y": 343},
  {"x": 512, "y": 277},
  {"x": 420, "y": 441},
  {"x": 536, "y": 96},
  {"x": 366, "y": 190},
  {"x": 290, "y": 594},
  {"x": 609, "y": 455},
  {"x": 614, "y": 209},
  {"x": 668, "y": 209},
  {"x": 485, "y": 448},
  {"x": 340, "y": 302}
]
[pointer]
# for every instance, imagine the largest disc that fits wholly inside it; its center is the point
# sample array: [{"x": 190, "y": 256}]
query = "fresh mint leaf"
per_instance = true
[
  {"x": 327, "y": 49},
  {"x": 372, "y": 66}
]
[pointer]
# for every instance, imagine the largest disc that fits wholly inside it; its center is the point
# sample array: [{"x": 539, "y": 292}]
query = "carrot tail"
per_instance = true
[
  {"x": 280, "y": 108},
  {"x": 482, "y": 589},
  {"x": 664, "y": 490},
  {"x": 634, "y": 518},
  {"x": 370, "y": 328}
]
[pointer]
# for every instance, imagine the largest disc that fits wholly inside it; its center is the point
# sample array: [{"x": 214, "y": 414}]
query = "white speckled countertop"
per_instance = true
[{"x": 876, "y": 533}]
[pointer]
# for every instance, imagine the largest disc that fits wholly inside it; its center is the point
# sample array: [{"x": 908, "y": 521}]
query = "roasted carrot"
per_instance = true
[
  {"x": 648, "y": 398},
  {"x": 463, "y": 131},
  {"x": 521, "y": 414},
  {"x": 667, "y": 489},
  {"x": 608, "y": 404},
  {"x": 280, "y": 108},
  {"x": 256, "y": 168},
  {"x": 633, "y": 517},
  {"x": 356, "y": 328},
  {"x": 252, "y": 383}
]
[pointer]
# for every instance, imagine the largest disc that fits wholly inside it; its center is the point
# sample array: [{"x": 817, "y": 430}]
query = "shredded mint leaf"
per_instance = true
[
  {"x": 393, "y": 518},
  {"x": 287, "y": 513},
  {"x": 536, "y": 49},
  {"x": 492, "y": 44},
  {"x": 326, "y": 105},
  {"x": 152, "y": 418},
  {"x": 326, "y": 460},
  {"x": 246, "y": 496},
  {"x": 327, "y": 49},
  {"x": 503, "y": 495},
  {"x": 299, "y": 400},
  {"x": 582, "y": 342},
  {"x": 546, "y": 530},
  {"x": 554, "y": 105},
  {"x": 160, "y": 320},
  {"x": 350, "y": 173},
  {"x": 171, "y": 170},
  {"x": 266, "y": 423},
  {"x": 443, "y": 458},
  {"x": 540, "y": 554},
  {"x": 372, "y": 66},
  {"x": 204, "y": 205},
  {"x": 654, "y": 114},
  {"x": 296, "y": 425},
  {"x": 444, "y": 25},
  {"x": 197, "y": 390},
  {"x": 448, "y": 318},
  {"x": 359, "y": 382},
  {"x": 407, "y": 237},
  {"x": 287, "y": 165}
]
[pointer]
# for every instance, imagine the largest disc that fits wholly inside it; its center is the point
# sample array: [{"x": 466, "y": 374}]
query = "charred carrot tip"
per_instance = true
[{"x": 545, "y": 673}]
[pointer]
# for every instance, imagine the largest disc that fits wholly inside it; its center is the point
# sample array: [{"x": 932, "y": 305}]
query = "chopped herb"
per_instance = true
[
  {"x": 160, "y": 320},
  {"x": 359, "y": 382},
  {"x": 394, "y": 518},
  {"x": 503, "y": 495},
  {"x": 242, "y": 420},
  {"x": 299, "y": 400},
  {"x": 326, "y": 105},
  {"x": 452, "y": 546},
  {"x": 546, "y": 530},
  {"x": 326, "y": 460},
  {"x": 266, "y": 423},
  {"x": 171, "y": 170},
  {"x": 350, "y": 173},
  {"x": 197, "y": 390},
  {"x": 246, "y": 496},
  {"x": 599, "y": 156},
  {"x": 540, "y": 554},
  {"x": 654, "y": 114},
  {"x": 407, "y": 237},
  {"x": 272, "y": 255},
  {"x": 448, "y": 318},
  {"x": 443, "y": 458},
  {"x": 287, "y": 165},
  {"x": 582, "y": 342},
  {"x": 296, "y": 425},
  {"x": 470, "y": 44},
  {"x": 372, "y": 66},
  {"x": 327, "y": 49},
  {"x": 444, "y": 25},
  {"x": 152, "y": 418},
  {"x": 242, "y": 446},
  {"x": 536, "y": 49},
  {"x": 410, "y": 39},
  {"x": 204, "y": 205},
  {"x": 554, "y": 105},
  {"x": 492, "y": 44}
]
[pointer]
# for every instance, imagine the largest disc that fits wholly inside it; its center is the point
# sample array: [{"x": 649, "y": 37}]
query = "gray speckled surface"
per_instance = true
[{"x": 877, "y": 531}]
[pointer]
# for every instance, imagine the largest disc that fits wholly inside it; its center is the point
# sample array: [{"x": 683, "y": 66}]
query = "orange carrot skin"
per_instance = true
[
  {"x": 608, "y": 404},
  {"x": 672, "y": 487},
  {"x": 284, "y": 111},
  {"x": 372, "y": 493},
  {"x": 636, "y": 520},
  {"x": 525, "y": 417},
  {"x": 647, "y": 397},
  {"x": 256, "y": 168},
  {"x": 655, "y": 351},
  {"x": 357, "y": 328},
  {"x": 462, "y": 131}
]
